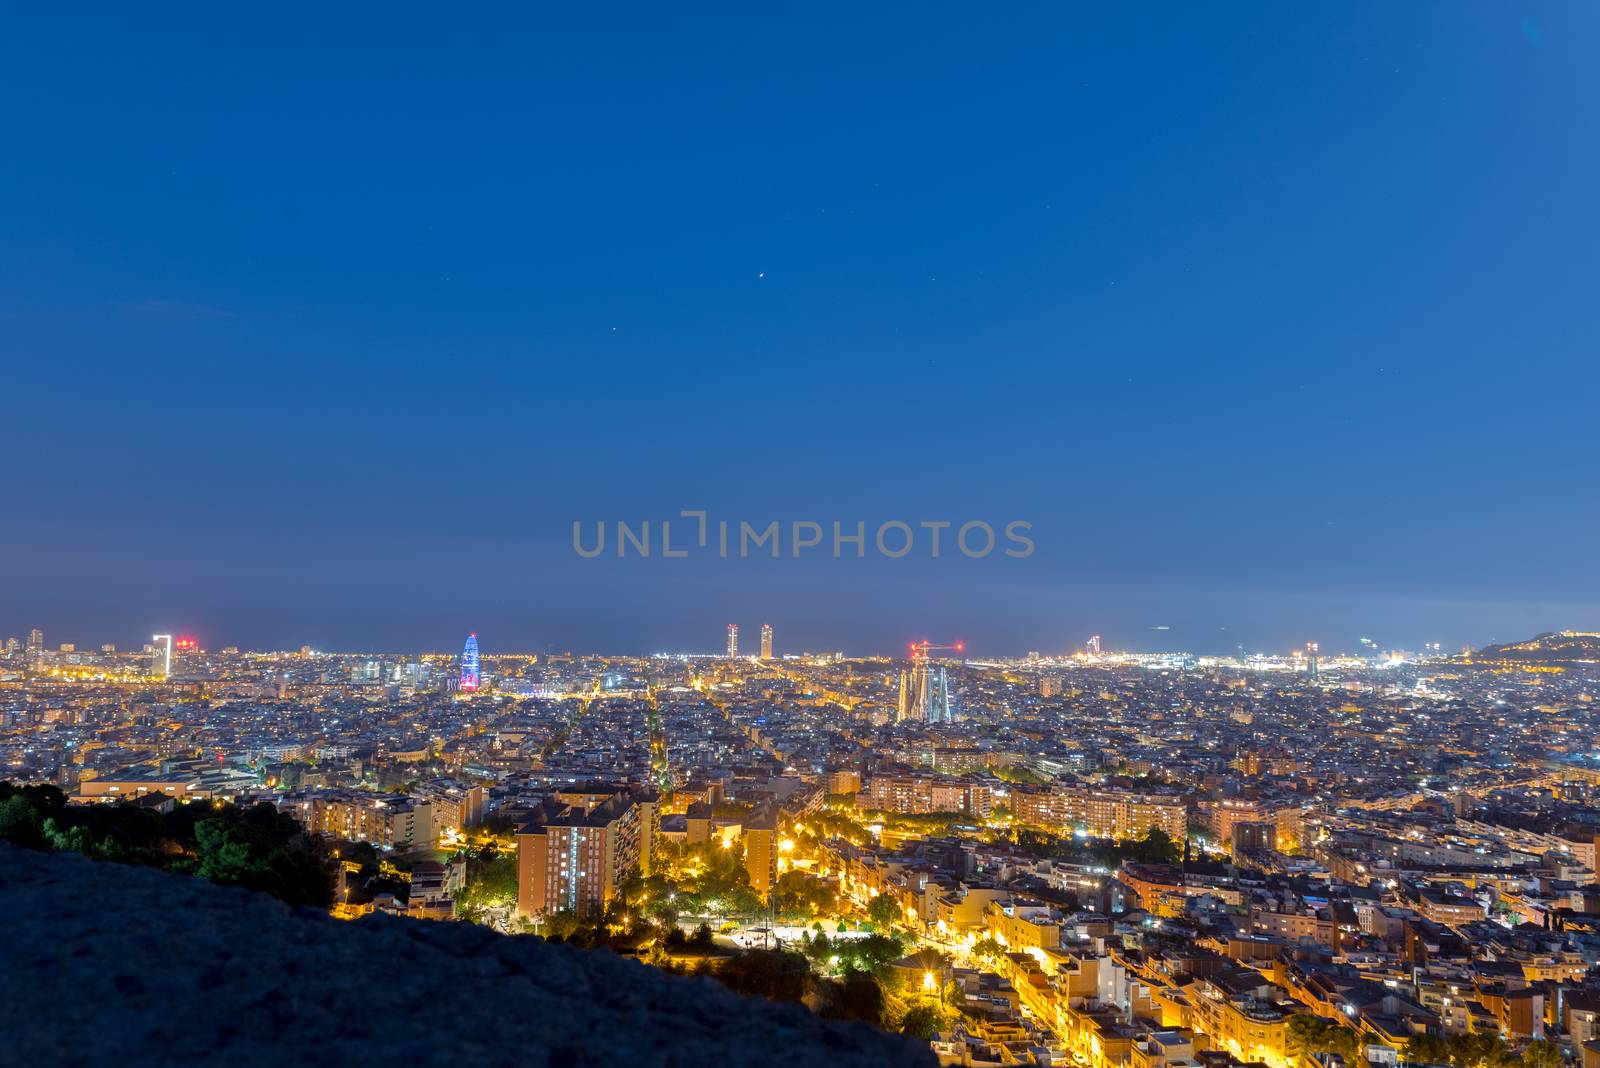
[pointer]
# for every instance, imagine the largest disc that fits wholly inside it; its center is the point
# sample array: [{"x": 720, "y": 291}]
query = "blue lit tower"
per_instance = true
[{"x": 469, "y": 665}]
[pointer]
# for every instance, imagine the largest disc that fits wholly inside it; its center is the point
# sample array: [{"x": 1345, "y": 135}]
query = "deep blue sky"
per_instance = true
[{"x": 1278, "y": 323}]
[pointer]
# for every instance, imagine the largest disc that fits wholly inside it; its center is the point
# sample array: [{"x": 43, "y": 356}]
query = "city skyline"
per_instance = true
[{"x": 38, "y": 640}]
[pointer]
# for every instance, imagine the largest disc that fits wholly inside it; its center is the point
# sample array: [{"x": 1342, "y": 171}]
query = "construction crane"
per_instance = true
[{"x": 919, "y": 650}]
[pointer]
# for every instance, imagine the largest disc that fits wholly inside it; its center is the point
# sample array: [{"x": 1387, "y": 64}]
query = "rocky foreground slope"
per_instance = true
[{"x": 109, "y": 964}]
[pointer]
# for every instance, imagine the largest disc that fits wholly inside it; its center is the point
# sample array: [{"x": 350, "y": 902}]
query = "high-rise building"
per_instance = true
[
  {"x": 766, "y": 641},
  {"x": 35, "y": 644},
  {"x": 733, "y": 641},
  {"x": 161, "y": 656},
  {"x": 574, "y": 860},
  {"x": 1311, "y": 658},
  {"x": 761, "y": 848},
  {"x": 469, "y": 665}
]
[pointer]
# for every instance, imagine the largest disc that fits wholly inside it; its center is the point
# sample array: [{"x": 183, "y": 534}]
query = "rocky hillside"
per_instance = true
[{"x": 111, "y": 964}]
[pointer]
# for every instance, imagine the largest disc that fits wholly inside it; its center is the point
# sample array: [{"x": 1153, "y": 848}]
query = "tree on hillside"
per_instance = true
[
  {"x": 1541, "y": 1053},
  {"x": 1315, "y": 1034},
  {"x": 882, "y": 911},
  {"x": 923, "y": 1021}
]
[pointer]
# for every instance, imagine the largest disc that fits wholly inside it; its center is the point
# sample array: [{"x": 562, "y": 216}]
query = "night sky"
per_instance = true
[{"x": 1277, "y": 322}]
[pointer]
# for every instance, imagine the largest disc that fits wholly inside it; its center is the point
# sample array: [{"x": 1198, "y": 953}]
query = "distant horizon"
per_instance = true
[{"x": 749, "y": 649}]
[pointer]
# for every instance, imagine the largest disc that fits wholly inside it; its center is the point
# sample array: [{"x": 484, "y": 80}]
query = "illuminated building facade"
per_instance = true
[
  {"x": 733, "y": 640},
  {"x": 761, "y": 849},
  {"x": 920, "y": 794},
  {"x": 1100, "y": 813},
  {"x": 469, "y": 665},
  {"x": 392, "y": 820},
  {"x": 766, "y": 641},
  {"x": 574, "y": 860},
  {"x": 161, "y": 656}
]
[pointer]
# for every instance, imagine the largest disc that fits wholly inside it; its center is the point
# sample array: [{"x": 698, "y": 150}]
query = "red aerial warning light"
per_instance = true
[
  {"x": 185, "y": 644},
  {"x": 961, "y": 646}
]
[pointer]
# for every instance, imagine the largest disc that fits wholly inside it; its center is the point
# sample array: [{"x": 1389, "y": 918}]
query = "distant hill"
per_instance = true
[{"x": 1556, "y": 647}]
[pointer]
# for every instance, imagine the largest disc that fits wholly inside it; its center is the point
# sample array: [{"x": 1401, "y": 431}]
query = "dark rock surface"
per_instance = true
[{"x": 104, "y": 964}]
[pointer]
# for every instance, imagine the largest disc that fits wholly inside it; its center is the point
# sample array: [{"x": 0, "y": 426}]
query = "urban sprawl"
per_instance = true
[{"x": 1097, "y": 859}]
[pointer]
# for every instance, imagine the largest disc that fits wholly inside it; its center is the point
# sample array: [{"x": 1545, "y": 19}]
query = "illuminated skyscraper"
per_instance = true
[
  {"x": 733, "y": 641},
  {"x": 766, "y": 641},
  {"x": 469, "y": 665},
  {"x": 35, "y": 644},
  {"x": 1311, "y": 658},
  {"x": 161, "y": 656}
]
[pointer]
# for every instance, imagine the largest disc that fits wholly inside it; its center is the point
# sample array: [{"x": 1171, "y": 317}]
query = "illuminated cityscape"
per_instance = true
[
  {"x": 1148, "y": 451},
  {"x": 1094, "y": 857}
]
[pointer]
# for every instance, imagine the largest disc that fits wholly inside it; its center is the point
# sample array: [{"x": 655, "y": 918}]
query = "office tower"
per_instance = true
[
  {"x": 574, "y": 859},
  {"x": 733, "y": 640},
  {"x": 161, "y": 656},
  {"x": 469, "y": 665},
  {"x": 35, "y": 644},
  {"x": 12, "y": 645},
  {"x": 766, "y": 641},
  {"x": 1311, "y": 658}
]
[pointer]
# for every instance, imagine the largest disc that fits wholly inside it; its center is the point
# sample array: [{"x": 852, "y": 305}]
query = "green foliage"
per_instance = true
[
  {"x": 259, "y": 847},
  {"x": 778, "y": 975},
  {"x": 858, "y": 996},
  {"x": 1541, "y": 1053},
  {"x": 1154, "y": 847},
  {"x": 883, "y": 912},
  {"x": 922, "y": 1021},
  {"x": 818, "y": 950},
  {"x": 988, "y": 949},
  {"x": 21, "y": 822},
  {"x": 1469, "y": 1051},
  {"x": 1316, "y": 1034},
  {"x": 249, "y": 852},
  {"x": 870, "y": 954},
  {"x": 491, "y": 882},
  {"x": 801, "y": 895}
]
